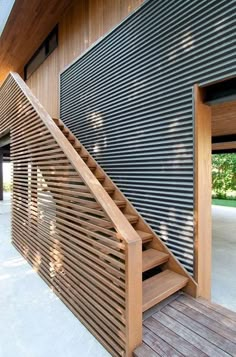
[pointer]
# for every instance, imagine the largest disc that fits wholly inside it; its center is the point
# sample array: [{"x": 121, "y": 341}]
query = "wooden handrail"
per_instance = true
[{"x": 73, "y": 255}]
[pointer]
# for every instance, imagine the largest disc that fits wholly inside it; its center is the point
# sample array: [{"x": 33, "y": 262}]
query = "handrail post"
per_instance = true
[{"x": 133, "y": 296}]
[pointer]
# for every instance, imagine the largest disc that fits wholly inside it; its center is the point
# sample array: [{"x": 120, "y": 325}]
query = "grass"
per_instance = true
[{"x": 227, "y": 203}]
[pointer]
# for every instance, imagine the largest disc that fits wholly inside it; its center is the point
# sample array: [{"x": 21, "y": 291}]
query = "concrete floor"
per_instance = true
[
  {"x": 33, "y": 321},
  {"x": 224, "y": 256}
]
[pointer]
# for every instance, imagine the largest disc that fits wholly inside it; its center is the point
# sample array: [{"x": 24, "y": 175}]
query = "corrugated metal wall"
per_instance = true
[{"x": 129, "y": 100}]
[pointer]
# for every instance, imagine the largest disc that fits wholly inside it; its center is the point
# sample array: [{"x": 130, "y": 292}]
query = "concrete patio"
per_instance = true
[
  {"x": 33, "y": 321},
  {"x": 224, "y": 256}
]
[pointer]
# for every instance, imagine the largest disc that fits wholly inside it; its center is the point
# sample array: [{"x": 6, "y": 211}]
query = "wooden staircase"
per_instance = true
[
  {"x": 163, "y": 275},
  {"x": 77, "y": 229}
]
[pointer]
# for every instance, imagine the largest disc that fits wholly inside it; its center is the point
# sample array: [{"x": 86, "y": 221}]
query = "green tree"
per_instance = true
[{"x": 223, "y": 174}]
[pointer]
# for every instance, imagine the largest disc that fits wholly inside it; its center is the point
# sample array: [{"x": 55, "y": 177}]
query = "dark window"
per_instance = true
[{"x": 47, "y": 47}]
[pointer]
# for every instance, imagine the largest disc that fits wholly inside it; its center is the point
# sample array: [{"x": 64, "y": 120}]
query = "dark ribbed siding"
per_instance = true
[{"x": 129, "y": 101}]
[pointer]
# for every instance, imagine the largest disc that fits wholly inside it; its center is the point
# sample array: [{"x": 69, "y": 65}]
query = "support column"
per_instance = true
[
  {"x": 203, "y": 239},
  {"x": 1, "y": 176}
]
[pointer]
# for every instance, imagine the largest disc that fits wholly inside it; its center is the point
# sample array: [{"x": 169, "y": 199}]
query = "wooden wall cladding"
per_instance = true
[
  {"x": 68, "y": 227},
  {"x": 28, "y": 25},
  {"x": 224, "y": 119},
  {"x": 84, "y": 23}
]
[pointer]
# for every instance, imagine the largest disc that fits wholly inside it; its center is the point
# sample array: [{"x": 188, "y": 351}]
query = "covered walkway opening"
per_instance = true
[
  {"x": 224, "y": 209},
  {"x": 222, "y": 99}
]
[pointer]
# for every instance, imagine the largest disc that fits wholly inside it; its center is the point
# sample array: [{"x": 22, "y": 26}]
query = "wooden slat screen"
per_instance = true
[{"x": 67, "y": 226}]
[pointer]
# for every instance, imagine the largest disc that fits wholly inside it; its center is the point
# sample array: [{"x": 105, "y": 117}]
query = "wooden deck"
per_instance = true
[{"x": 189, "y": 327}]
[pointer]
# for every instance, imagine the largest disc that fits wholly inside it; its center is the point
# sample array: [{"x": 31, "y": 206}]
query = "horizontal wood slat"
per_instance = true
[{"x": 68, "y": 227}]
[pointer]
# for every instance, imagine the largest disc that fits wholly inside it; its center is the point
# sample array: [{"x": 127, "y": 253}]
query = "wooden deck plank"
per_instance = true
[
  {"x": 159, "y": 345},
  {"x": 177, "y": 342},
  {"x": 219, "y": 308},
  {"x": 185, "y": 326},
  {"x": 190, "y": 336},
  {"x": 212, "y": 314},
  {"x": 213, "y": 325},
  {"x": 175, "y": 311},
  {"x": 145, "y": 350}
]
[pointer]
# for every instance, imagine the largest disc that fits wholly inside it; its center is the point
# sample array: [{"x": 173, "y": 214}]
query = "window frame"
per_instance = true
[{"x": 47, "y": 51}]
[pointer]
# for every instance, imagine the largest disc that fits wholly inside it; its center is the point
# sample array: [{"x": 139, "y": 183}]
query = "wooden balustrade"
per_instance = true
[{"x": 68, "y": 227}]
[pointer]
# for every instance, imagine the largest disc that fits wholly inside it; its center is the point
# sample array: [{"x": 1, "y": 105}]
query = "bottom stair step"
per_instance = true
[{"x": 160, "y": 286}]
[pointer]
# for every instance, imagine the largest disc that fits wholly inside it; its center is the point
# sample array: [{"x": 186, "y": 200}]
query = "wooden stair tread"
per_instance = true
[
  {"x": 109, "y": 189},
  {"x": 65, "y": 130},
  {"x": 91, "y": 166},
  {"x": 152, "y": 258},
  {"x": 160, "y": 286},
  {"x": 102, "y": 178},
  {"x": 146, "y": 237},
  {"x": 59, "y": 122},
  {"x": 68, "y": 134},
  {"x": 120, "y": 203},
  {"x": 131, "y": 218}
]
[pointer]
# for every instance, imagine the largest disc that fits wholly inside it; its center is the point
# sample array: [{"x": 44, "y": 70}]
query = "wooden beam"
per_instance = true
[
  {"x": 203, "y": 230},
  {"x": 224, "y": 146}
]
